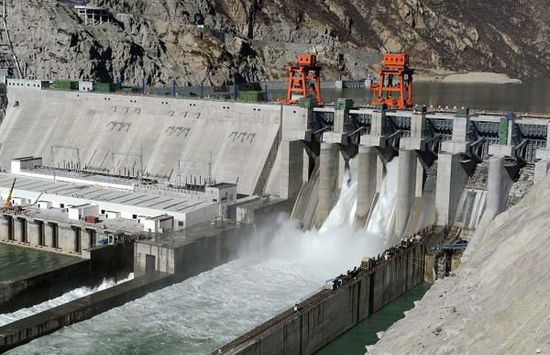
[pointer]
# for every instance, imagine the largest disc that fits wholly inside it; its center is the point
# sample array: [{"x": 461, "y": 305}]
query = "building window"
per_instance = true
[
  {"x": 61, "y": 205},
  {"x": 134, "y": 216},
  {"x": 102, "y": 211},
  {"x": 180, "y": 223}
]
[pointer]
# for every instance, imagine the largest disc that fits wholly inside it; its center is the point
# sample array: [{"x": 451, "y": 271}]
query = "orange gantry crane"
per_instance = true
[
  {"x": 395, "y": 88},
  {"x": 304, "y": 80}
]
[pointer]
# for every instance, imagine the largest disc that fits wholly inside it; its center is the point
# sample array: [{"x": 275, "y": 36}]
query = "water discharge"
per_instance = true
[
  {"x": 280, "y": 267},
  {"x": 75, "y": 294}
]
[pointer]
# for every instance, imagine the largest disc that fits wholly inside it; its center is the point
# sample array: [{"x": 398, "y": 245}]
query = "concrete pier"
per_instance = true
[
  {"x": 328, "y": 181},
  {"x": 406, "y": 184},
  {"x": 292, "y": 165},
  {"x": 451, "y": 176},
  {"x": 367, "y": 170},
  {"x": 451, "y": 179},
  {"x": 499, "y": 185}
]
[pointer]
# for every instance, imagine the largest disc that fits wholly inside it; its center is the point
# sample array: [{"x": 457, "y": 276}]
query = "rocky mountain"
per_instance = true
[{"x": 213, "y": 40}]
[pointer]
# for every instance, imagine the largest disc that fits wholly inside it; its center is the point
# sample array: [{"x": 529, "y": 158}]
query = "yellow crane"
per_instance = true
[{"x": 7, "y": 204}]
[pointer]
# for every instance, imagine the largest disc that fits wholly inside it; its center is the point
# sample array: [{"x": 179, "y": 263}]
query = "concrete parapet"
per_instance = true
[
  {"x": 366, "y": 182},
  {"x": 451, "y": 180}
]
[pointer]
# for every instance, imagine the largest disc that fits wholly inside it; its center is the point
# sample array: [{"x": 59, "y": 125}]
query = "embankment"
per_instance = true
[{"x": 498, "y": 300}]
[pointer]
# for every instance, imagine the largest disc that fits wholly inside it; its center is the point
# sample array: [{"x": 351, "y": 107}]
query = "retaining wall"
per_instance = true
[
  {"x": 41, "y": 286},
  {"x": 27, "y": 329},
  {"x": 329, "y": 313}
]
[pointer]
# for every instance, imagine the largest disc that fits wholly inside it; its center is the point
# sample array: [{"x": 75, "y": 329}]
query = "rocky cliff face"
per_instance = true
[{"x": 213, "y": 40}]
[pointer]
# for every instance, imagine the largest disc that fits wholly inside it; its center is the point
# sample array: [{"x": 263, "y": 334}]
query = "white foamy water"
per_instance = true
[
  {"x": 280, "y": 267},
  {"x": 7, "y": 318}
]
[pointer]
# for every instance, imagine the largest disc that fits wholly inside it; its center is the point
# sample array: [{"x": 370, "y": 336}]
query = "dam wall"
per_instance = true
[
  {"x": 167, "y": 138},
  {"x": 320, "y": 319}
]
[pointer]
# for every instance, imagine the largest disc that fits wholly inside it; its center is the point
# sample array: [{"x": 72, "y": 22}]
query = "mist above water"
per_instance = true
[{"x": 280, "y": 267}]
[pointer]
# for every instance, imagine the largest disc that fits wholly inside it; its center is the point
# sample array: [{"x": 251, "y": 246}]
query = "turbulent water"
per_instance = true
[
  {"x": 7, "y": 318},
  {"x": 204, "y": 312}
]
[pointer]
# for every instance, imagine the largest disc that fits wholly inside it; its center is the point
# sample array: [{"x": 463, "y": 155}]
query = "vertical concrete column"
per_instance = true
[
  {"x": 328, "y": 178},
  {"x": 4, "y": 228},
  {"x": 366, "y": 182},
  {"x": 18, "y": 231},
  {"x": 451, "y": 179},
  {"x": 67, "y": 239},
  {"x": 33, "y": 233},
  {"x": 49, "y": 234},
  {"x": 406, "y": 186},
  {"x": 499, "y": 185},
  {"x": 291, "y": 172},
  {"x": 85, "y": 242}
]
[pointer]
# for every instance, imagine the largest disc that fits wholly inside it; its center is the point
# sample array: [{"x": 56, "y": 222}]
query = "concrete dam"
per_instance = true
[{"x": 174, "y": 186}]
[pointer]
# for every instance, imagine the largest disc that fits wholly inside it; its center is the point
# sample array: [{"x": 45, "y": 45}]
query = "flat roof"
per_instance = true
[{"x": 102, "y": 194}]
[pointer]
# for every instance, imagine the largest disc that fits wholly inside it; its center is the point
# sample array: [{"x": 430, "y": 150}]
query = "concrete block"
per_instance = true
[
  {"x": 451, "y": 180},
  {"x": 335, "y": 138},
  {"x": 500, "y": 150},
  {"x": 368, "y": 140},
  {"x": 411, "y": 143},
  {"x": 299, "y": 136},
  {"x": 455, "y": 147}
]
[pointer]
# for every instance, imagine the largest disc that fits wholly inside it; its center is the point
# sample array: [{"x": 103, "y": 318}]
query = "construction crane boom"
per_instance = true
[{"x": 7, "y": 204}]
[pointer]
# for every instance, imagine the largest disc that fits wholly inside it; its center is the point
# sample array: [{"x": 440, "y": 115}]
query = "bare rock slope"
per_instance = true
[
  {"x": 498, "y": 302},
  {"x": 212, "y": 40}
]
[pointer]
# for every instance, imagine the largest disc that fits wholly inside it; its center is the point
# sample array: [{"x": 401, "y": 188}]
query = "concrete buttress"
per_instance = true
[
  {"x": 499, "y": 185},
  {"x": 328, "y": 181},
  {"x": 406, "y": 188},
  {"x": 366, "y": 182}
]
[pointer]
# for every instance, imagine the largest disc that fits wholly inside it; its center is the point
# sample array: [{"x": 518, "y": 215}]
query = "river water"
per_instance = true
[{"x": 17, "y": 262}]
